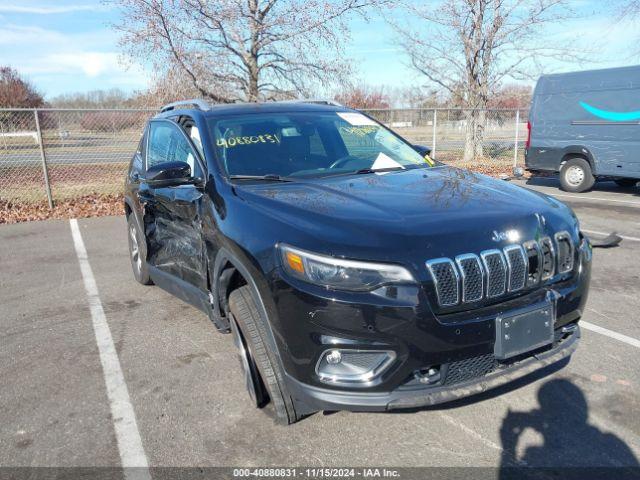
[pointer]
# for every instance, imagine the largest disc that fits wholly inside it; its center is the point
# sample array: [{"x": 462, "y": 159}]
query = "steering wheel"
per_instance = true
[{"x": 341, "y": 161}]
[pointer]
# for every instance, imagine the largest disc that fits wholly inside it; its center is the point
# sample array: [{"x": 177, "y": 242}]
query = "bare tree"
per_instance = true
[
  {"x": 242, "y": 49},
  {"x": 16, "y": 91},
  {"x": 111, "y": 98},
  {"x": 469, "y": 47},
  {"x": 511, "y": 96},
  {"x": 364, "y": 96},
  {"x": 630, "y": 9}
]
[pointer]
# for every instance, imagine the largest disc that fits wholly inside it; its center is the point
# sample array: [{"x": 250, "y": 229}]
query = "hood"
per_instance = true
[{"x": 443, "y": 209}]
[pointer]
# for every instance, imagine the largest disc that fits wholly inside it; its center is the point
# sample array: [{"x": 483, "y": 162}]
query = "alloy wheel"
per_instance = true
[
  {"x": 135, "y": 249},
  {"x": 246, "y": 363}
]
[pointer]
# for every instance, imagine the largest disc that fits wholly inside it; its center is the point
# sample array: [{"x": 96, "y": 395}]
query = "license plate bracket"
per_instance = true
[{"x": 524, "y": 331}]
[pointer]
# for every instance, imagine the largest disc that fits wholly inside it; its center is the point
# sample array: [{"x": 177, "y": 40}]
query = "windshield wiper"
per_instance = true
[
  {"x": 364, "y": 171},
  {"x": 269, "y": 177}
]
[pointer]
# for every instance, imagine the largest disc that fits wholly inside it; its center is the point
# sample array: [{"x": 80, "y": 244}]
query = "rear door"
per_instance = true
[{"x": 172, "y": 215}]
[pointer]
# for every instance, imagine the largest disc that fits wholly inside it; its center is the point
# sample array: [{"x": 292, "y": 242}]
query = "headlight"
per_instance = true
[{"x": 339, "y": 273}]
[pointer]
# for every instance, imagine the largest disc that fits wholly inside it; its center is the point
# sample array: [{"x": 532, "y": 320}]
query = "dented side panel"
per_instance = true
[{"x": 173, "y": 223}]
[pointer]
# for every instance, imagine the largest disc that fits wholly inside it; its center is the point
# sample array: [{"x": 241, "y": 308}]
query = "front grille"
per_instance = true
[
  {"x": 472, "y": 277},
  {"x": 565, "y": 252},
  {"x": 516, "y": 266},
  {"x": 469, "y": 369},
  {"x": 496, "y": 269},
  {"x": 445, "y": 278},
  {"x": 495, "y": 272}
]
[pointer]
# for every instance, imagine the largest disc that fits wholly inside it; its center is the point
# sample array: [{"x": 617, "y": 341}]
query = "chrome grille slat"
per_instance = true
[
  {"x": 496, "y": 270},
  {"x": 472, "y": 277},
  {"x": 548, "y": 269},
  {"x": 565, "y": 252},
  {"x": 446, "y": 280},
  {"x": 516, "y": 267},
  {"x": 532, "y": 251}
]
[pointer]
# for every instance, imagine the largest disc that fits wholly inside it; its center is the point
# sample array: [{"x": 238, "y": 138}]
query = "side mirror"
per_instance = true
[{"x": 168, "y": 174}]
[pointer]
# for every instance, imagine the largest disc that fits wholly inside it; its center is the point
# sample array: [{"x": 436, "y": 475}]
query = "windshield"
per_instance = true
[{"x": 309, "y": 145}]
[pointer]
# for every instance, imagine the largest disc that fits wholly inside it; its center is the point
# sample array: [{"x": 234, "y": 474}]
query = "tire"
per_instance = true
[
  {"x": 576, "y": 176},
  {"x": 626, "y": 182},
  {"x": 137, "y": 252},
  {"x": 252, "y": 330}
]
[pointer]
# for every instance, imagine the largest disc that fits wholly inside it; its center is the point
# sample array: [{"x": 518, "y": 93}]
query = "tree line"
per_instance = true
[{"x": 466, "y": 53}]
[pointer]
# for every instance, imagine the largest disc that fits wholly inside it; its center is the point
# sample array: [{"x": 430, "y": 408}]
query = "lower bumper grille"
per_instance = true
[{"x": 469, "y": 369}]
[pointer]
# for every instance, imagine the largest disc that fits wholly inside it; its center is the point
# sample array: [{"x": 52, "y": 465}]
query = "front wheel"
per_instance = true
[
  {"x": 626, "y": 182},
  {"x": 263, "y": 375},
  {"x": 576, "y": 176}
]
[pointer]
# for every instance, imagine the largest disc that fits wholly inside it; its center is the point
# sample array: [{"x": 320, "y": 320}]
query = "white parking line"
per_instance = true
[
  {"x": 625, "y": 237},
  {"x": 599, "y": 199},
  {"x": 610, "y": 333},
  {"x": 124, "y": 419}
]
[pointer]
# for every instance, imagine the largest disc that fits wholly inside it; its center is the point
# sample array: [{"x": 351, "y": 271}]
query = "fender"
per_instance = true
[
  {"x": 241, "y": 262},
  {"x": 259, "y": 293},
  {"x": 580, "y": 150}
]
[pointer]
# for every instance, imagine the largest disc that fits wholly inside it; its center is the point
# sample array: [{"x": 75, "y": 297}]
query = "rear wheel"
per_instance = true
[
  {"x": 626, "y": 182},
  {"x": 264, "y": 378},
  {"x": 576, "y": 175},
  {"x": 137, "y": 253}
]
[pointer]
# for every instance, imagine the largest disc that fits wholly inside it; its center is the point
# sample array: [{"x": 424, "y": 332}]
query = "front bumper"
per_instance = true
[
  {"x": 311, "y": 398},
  {"x": 309, "y": 322}
]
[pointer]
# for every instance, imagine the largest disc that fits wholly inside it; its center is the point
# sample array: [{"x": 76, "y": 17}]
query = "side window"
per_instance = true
[{"x": 167, "y": 143}]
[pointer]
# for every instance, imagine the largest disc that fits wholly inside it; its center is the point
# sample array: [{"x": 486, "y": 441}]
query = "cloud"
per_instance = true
[
  {"x": 60, "y": 61},
  {"x": 20, "y": 36},
  {"x": 49, "y": 10},
  {"x": 103, "y": 67}
]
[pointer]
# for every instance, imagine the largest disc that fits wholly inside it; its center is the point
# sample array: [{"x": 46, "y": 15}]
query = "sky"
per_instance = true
[{"x": 65, "y": 46}]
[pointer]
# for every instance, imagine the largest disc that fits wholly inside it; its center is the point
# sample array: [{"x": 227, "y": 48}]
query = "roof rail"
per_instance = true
[
  {"x": 198, "y": 103},
  {"x": 318, "y": 101}
]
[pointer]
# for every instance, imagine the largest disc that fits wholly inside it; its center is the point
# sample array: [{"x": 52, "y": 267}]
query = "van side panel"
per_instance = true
[{"x": 593, "y": 114}]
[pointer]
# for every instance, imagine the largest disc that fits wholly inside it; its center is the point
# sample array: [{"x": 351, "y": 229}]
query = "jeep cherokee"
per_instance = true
[{"x": 353, "y": 271}]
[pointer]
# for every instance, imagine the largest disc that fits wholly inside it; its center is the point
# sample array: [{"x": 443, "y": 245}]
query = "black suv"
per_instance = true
[{"x": 354, "y": 272}]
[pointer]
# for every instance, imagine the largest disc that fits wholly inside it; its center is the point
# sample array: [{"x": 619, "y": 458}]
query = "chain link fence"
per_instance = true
[
  {"x": 49, "y": 155},
  {"x": 500, "y": 135},
  {"x": 55, "y": 155}
]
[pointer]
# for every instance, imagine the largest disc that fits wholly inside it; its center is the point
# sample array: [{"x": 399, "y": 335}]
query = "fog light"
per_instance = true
[
  {"x": 334, "y": 357},
  {"x": 342, "y": 366}
]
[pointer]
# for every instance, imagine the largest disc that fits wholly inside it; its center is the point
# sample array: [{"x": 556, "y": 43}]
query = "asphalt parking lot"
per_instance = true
[{"x": 188, "y": 399}]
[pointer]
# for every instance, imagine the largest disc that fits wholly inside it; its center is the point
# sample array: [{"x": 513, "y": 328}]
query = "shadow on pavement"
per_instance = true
[{"x": 569, "y": 442}]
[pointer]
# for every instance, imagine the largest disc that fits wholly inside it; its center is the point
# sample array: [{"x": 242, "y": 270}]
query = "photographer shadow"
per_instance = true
[{"x": 569, "y": 441}]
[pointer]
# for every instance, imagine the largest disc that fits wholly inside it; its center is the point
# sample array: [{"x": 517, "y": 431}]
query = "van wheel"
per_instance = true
[
  {"x": 626, "y": 182},
  {"x": 576, "y": 176},
  {"x": 137, "y": 253},
  {"x": 264, "y": 377}
]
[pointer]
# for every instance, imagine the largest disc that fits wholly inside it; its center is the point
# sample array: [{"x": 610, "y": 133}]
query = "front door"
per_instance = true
[{"x": 172, "y": 215}]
